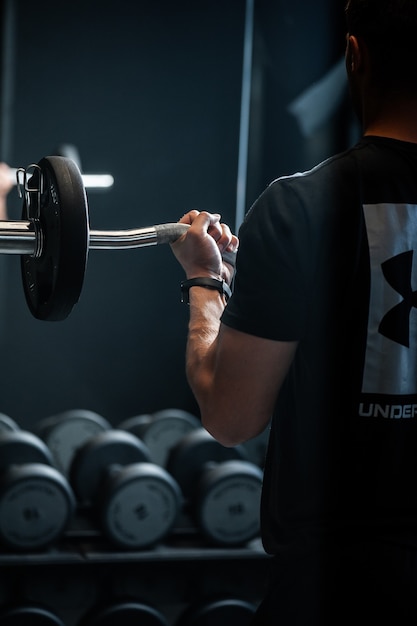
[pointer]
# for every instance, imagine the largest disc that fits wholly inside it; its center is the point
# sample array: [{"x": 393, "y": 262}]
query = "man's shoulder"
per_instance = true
[{"x": 340, "y": 165}]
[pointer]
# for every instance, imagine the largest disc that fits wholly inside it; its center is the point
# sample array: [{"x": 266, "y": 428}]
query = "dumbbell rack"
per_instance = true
[
  {"x": 84, "y": 567},
  {"x": 170, "y": 576}
]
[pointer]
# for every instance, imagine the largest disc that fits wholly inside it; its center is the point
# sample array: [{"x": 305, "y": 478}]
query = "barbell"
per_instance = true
[{"x": 54, "y": 237}]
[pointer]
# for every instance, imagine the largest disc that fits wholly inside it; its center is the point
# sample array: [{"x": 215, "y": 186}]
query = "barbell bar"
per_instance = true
[
  {"x": 22, "y": 237},
  {"x": 54, "y": 238}
]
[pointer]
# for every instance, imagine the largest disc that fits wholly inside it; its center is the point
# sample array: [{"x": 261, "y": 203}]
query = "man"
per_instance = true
[{"x": 321, "y": 334}]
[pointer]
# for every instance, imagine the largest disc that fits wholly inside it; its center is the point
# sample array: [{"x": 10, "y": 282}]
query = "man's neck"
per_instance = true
[{"x": 397, "y": 120}]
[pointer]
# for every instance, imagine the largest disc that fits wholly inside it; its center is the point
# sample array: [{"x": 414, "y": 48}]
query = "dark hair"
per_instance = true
[{"x": 389, "y": 29}]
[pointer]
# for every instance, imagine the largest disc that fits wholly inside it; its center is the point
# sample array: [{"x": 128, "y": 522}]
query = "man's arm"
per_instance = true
[{"x": 234, "y": 376}]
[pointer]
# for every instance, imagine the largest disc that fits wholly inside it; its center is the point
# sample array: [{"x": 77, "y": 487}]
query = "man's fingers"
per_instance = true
[
  {"x": 204, "y": 223},
  {"x": 189, "y": 217}
]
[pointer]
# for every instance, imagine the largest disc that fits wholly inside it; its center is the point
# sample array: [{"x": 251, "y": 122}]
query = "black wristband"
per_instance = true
[{"x": 209, "y": 283}]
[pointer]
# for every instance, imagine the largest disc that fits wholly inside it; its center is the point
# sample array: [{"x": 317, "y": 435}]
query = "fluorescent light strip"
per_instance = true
[{"x": 91, "y": 181}]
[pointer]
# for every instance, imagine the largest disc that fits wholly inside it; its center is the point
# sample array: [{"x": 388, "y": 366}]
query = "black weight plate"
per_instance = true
[
  {"x": 139, "y": 505},
  {"x": 66, "y": 432},
  {"x": 220, "y": 612},
  {"x": 129, "y": 613},
  {"x": 52, "y": 283},
  {"x": 28, "y": 615},
  {"x": 228, "y": 502},
  {"x": 36, "y": 504},
  {"x": 96, "y": 457},
  {"x": 21, "y": 446},
  {"x": 188, "y": 457}
]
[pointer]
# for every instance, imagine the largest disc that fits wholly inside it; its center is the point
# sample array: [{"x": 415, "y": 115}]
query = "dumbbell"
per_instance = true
[
  {"x": 124, "y": 613},
  {"x": 28, "y": 614},
  {"x": 221, "y": 488},
  {"x": 161, "y": 430},
  {"x": 36, "y": 500},
  {"x": 65, "y": 432},
  {"x": 134, "y": 501},
  {"x": 218, "y": 612}
]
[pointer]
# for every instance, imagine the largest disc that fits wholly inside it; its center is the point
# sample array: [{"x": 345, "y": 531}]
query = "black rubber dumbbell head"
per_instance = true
[
  {"x": 135, "y": 501},
  {"x": 162, "y": 430},
  {"x": 36, "y": 501},
  {"x": 218, "y": 612},
  {"x": 139, "y": 505},
  {"x": 227, "y": 504},
  {"x": 21, "y": 446},
  {"x": 65, "y": 432},
  {"x": 100, "y": 453},
  {"x": 222, "y": 489},
  {"x": 124, "y": 613},
  {"x": 28, "y": 614},
  {"x": 134, "y": 424},
  {"x": 7, "y": 423},
  {"x": 191, "y": 455}
]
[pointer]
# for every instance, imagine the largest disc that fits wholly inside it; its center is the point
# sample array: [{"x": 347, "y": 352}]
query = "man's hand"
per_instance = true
[{"x": 200, "y": 249}]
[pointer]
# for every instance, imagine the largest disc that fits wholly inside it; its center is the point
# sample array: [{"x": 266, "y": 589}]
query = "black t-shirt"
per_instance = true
[{"x": 327, "y": 258}]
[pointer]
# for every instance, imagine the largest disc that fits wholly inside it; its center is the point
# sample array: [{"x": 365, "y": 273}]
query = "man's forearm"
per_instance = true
[{"x": 206, "y": 308}]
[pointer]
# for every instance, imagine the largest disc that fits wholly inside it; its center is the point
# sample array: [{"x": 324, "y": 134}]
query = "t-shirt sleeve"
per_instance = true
[{"x": 274, "y": 267}]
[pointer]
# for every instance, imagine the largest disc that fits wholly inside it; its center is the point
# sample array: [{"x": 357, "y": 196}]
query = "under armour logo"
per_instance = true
[{"x": 396, "y": 323}]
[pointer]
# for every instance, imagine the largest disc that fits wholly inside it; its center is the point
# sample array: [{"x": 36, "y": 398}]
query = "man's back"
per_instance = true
[
  {"x": 339, "y": 488},
  {"x": 341, "y": 239}
]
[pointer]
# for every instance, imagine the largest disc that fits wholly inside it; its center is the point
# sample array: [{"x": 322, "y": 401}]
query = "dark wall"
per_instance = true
[
  {"x": 298, "y": 57},
  {"x": 150, "y": 92}
]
